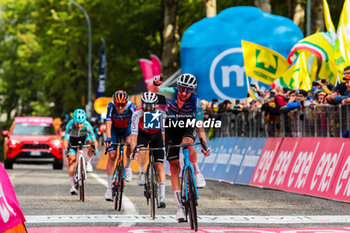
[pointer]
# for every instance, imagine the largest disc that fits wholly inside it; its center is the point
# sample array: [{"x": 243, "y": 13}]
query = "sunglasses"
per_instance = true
[
  {"x": 182, "y": 89},
  {"x": 148, "y": 107},
  {"x": 347, "y": 74},
  {"x": 119, "y": 105}
]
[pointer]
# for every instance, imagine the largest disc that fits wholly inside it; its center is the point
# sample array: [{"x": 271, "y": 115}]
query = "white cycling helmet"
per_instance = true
[
  {"x": 149, "y": 97},
  {"x": 187, "y": 80},
  {"x": 149, "y": 100}
]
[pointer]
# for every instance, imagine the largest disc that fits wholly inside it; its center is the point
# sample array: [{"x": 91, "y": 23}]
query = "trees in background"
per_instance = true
[{"x": 43, "y": 44}]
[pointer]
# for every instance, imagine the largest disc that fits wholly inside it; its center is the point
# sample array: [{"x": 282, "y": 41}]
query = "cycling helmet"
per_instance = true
[
  {"x": 79, "y": 116},
  {"x": 120, "y": 97},
  {"x": 149, "y": 100},
  {"x": 187, "y": 80}
]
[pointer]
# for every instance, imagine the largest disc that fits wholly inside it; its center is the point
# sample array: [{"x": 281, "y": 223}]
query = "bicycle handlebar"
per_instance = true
[
  {"x": 75, "y": 147},
  {"x": 116, "y": 144},
  {"x": 202, "y": 143}
]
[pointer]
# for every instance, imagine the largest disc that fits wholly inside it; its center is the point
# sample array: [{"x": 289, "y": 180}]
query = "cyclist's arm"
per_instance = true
[
  {"x": 68, "y": 130},
  {"x": 200, "y": 117},
  {"x": 168, "y": 92},
  {"x": 109, "y": 119},
  {"x": 108, "y": 128},
  {"x": 90, "y": 131},
  {"x": 134, "y": 129}
]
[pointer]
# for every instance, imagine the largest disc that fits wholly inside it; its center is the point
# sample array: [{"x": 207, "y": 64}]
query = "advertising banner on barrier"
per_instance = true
[
  {"x": 300, "y": 167},
  {"x": 278, "y": 172},
  {"x": 341, "y": 183},
  {"x": 235, "y": 161},
  {"x": 265, "y": 161},
  {"x": 223, "y": 158},
  {"x": 250, "y": 160},
  {"x": 325, "y": 167},
  {"x": 208, "y": 162}
]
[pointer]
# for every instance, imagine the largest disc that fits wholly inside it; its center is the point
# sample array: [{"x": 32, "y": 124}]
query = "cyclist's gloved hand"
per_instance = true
[
  {"x": 66, "y": 151},
  {"x": 108, "y": 141},
  {"x": 157, "y": 80},
  {"x": 136, "y": 149},
  {"x": 96, "y": 151},
  {"x": 206, "y": 152}
]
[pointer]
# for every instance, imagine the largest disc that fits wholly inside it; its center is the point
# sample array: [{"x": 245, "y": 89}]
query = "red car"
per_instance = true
[{"x": 33, "y": 140}]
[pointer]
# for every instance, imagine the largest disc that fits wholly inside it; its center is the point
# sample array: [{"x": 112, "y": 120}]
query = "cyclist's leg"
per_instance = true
[
  {"x": 175, "y": 136},
  {"x": 189, "y": 137},
  {"x": 110, "y": 163},
  {"x": 127, "y": 138},
  {"x": 72, "y": 163},
  {"x": 157, "y": 142},
  {"x": 142, "y": 139}
]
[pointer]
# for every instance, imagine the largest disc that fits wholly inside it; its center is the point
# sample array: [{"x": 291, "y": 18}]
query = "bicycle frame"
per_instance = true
[
  {"x": 187, "y": 163},
  {"x": 81, "y": 157}
]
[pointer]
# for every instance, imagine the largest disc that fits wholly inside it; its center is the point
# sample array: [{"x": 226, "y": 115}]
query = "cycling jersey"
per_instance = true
[
  {"x": 122, "y": 120},
  {"x": 86, "y": 131},
  {"x": 137, "y": 122},
  {"x": 191, "y": 109}
]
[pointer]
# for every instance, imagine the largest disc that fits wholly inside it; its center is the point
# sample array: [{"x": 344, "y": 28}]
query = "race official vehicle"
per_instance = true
[{"x": 33, "y": 140}]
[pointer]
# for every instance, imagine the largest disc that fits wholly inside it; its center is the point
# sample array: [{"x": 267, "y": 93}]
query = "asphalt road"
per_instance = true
[{"x": 42, "y": 191}]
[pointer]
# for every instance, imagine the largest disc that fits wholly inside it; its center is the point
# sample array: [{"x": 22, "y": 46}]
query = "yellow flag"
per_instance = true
[
  {"x": 302, "y": 76},
  {"x": 263, "y": 64},
  {"x": 327, "y": 17},
  {"x": 328, "y": 72},
  {"x": 343, "y": 32},
  {"x": 287, "y": 79}
]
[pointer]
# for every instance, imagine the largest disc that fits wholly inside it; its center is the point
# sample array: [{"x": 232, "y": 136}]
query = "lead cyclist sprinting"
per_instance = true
[
  {"x": 183, "y": 104},
  {"x": 79, "y": 129}
]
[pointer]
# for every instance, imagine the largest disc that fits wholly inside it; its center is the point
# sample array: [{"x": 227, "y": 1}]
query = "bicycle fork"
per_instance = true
[{"x": 188, "y": 164}]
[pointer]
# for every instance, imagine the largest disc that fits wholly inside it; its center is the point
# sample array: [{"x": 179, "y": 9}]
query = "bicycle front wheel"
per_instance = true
[
  {"x": 192, "y": 200},
  {"x": 153, "y": 190},
  {"x": 119, "y": 188},
  {"x": 81, "y": 181}
]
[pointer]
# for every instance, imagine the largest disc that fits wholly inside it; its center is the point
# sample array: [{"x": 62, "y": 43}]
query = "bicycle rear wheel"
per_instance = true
[
  {"x": 81, "y": 181},
  {"x": 119, "y": 187},
  {"x": 192, "y": 200}
]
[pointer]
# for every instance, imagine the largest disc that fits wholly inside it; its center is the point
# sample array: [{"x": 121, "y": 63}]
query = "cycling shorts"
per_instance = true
[
  {"x": 175, "y": 135},
  {"x": 155, "y": 141},
  {"x": 119, "y": 132}
]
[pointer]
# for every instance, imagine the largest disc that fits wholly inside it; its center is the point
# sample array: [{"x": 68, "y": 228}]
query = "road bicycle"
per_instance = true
[
  {"x": 189, "y": 192},
  {"x": 118, "y": 175},
  {"x": 80, "y": 169},
  {"x": 151, "y": 181}
]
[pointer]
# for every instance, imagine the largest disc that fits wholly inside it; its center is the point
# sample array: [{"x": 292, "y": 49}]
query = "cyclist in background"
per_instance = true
[
  {"x": 183, "y": 104},
  {"x": 79, "y": 129},
  {"x": 141, "y": 136},
  {"x": 118, "y": 121}
]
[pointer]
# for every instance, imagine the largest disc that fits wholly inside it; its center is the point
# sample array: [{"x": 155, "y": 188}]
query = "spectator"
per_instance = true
[{"x": 345, "y": 97}]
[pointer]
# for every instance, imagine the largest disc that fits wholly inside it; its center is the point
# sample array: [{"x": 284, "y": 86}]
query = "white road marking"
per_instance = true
[
  {"x": 129, "y": 207},
  {"x": 133, "y": 219}
]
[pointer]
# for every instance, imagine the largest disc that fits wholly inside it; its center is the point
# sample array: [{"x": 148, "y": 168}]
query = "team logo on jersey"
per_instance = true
[{"x": 151, "y": 120}]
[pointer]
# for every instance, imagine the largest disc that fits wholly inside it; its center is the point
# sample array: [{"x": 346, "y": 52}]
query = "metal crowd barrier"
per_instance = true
[{"x": 315, "y": 121}]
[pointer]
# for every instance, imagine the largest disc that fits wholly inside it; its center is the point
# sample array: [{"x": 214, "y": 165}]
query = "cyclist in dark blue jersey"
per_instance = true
[
  {"x": 183, "y": 105},
  {"x": 118, "y": 124}
]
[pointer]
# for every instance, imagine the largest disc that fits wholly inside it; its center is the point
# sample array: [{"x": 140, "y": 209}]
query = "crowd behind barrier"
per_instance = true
[
  {"x": 313, "y": 121},
  {"x": 322, "y": 111}
]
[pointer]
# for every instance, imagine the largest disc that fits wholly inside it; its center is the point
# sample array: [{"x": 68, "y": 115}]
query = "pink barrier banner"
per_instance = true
[
  {"x": 266, "y": 160},
  {"x": 301, "y": 163},
  {"x": 278, "y": 172},
  {"x": 325, "y": 167},
  {"x": 10, "y": 212},
  {"x": 341, "y": 183}
]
